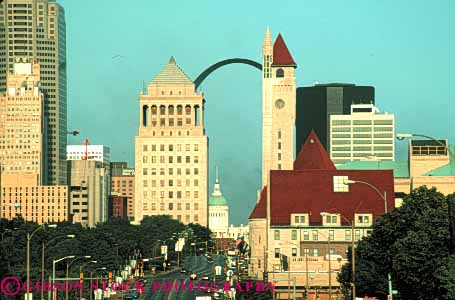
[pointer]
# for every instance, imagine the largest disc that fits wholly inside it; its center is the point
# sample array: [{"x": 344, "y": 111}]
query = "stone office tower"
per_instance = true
[
  {"x": 278, "y": 106},
  {"x": 171, "y": 150},
  {"x": 35, "y": 30}
]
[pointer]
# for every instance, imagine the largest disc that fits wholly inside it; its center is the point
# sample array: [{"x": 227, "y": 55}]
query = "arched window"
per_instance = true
[
  {"x": 145, "y": 110},
  {"x": 279, "y": 73},
  {"x": 154, "y": 110},
  {"x": 162, "y": 110},
  {"x": 196, "y": 115},
  {"x": 170, "y": 109},
  {"x": 188, "y": 110},
  {"x": 179, "y": 109}
]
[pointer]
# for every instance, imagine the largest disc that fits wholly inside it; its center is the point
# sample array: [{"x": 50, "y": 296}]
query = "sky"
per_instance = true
[{"x": 403, "y": 48}]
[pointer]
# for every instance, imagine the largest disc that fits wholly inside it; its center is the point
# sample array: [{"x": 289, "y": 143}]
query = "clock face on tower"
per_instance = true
[{"x": 279, "y": 103}]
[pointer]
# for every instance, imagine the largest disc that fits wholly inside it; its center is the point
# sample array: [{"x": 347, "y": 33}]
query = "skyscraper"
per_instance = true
[
  {"x": 315, "y": 105},
  {"x": 36, "y": 30},
  {"x": 278, "y": 106},
  {"x": 171, "y": 149}
]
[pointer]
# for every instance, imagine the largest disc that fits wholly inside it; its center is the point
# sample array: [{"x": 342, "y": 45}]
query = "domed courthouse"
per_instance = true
[{"x": 218, "y": 212}]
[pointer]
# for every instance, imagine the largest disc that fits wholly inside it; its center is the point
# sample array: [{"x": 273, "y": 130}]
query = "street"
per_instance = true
[{"x": 193, "y": 264}]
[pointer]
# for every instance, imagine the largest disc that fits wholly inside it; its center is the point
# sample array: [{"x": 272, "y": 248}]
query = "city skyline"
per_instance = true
[{"x": 351, "y": 52}]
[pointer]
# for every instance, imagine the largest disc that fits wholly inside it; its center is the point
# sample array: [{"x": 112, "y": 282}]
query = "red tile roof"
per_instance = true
[
  {"x": 313, "y": 155},
  {"x": 309, "y": 189},
  {"x": 281, "y": 54}
]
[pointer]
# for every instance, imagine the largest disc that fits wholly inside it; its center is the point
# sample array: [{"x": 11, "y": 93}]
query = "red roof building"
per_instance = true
[{"x": 312, "y": 188}]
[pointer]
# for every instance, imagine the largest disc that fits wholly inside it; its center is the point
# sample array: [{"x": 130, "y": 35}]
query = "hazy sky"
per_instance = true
[{"x": 403, "y": 48}]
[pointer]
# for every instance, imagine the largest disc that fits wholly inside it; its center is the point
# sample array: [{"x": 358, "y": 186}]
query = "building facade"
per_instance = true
[
  {"x": 89, "y": 192},
  {"x": 118, "y": 206},
  {"x": 21, "y": 196},
  {"x": 364, "y": 134},
  {"x": 22, "y": 124},
  {"x": 239, "y": 232},
  {"x": 311, "y": 212},
  {"x": 99, "y": 153},
  {"x": 315, "y": 105},
  {"x": 428, "y": 164},
  {"x": 278, "y": 106},
  {"x": 35, "y": 30},
  {"x": 124, "y": 186},
  {"x": 218, "y": 211},
  {"x": 171, "y": 150}
]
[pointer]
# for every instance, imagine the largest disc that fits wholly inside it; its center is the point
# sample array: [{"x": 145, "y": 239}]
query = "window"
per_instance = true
[
  {"x": 187, "y": 206},
  {"x": 338, "y": 184},
  {"x": 161, "y": 147},
  {"x": 332, "y": 251},
  {"x": 299, "y": 219},
  {"x": 144, "y": 148},
  {"x": 144, "y": 171},
  {"x": 276, "y": 235},
  {"x": 294, "y": 251},
  {"x": 315, "y": 252},
  {"x": 144, "y": 159},
  {"x": 363, "y": 219},
  {"x": 187, "y": 159},
  {"x": 277, "y": 252},
  {"x": 315, "y": 235},
  {"x": 196, "y": 147},
  {"x": 357, "y": 235},
  {"x": 331, "y": 235},
  {"x": 306, "y": 235},
  {"x": 347, "y": 235},
  {"x": 279, "y": 73},
  {"x": 331, "y": 219},
  {"x": 294, "y": 234},
  {"x": 196, "y": 206}
]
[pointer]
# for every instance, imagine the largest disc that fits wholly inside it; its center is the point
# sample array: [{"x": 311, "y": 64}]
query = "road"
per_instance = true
[{"x": 158, "y": 288}]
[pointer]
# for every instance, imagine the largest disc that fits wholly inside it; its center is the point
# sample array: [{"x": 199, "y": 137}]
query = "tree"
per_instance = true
[{"x": 411, "y": 243}]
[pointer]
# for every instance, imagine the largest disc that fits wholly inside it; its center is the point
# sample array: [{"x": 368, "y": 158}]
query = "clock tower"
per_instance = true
[{"x": 278, "y": 106}]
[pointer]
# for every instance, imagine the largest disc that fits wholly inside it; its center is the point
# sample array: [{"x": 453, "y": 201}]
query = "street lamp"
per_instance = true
[
  {"x": 53, "y": 271},
  {"x": 91, "y": 278},
  {"x": 68, "y": 265},
  {"x": 73, "y": 132},
  {"x": 43, "y": 246},
  {"x": 289, "y": 270},
  {"x": 81, "y": 267},
  {"x": 383, "y": 196},
  {"x": 29, "y": 237}
]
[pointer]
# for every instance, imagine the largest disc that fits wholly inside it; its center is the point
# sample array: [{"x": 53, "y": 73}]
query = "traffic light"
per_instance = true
[
  {"x": 81, "y": 278},
  {"x": 109, "y": 278},
  {"x": 265, "y": 276}
]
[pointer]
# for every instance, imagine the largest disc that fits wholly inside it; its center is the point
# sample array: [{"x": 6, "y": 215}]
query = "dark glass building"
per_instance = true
[{"x": 315, "y": 105}]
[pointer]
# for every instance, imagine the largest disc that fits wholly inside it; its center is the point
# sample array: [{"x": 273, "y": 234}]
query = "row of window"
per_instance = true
[
  {"x": 170, "y": 147},
  {"x": 170, "y": 182},
  {"x": 315, "y": 235},
  {"x": 153, "y": 159},
  {"x": 362, "y": 122},
  {"x": 153, "y": 171},
  {"x": 171, "y": 194}
]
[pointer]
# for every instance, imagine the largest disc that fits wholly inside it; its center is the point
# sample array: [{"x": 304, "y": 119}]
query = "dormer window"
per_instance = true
[
  {"x": 363, "y": 219},
  {"x": 298, "y": 219},
  {"x": 330, "y": 219},
  {"x": 279, "y": 73}
]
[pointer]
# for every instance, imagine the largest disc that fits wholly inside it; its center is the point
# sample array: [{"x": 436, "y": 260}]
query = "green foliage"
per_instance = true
[
  {"x": 412, "y": 242},
  {"x": 111, "y": 244}
]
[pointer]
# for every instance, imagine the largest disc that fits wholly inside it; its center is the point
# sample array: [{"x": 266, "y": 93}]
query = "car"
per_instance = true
[
  {"x": 193, "y": 276},
  {"x": 183, "y": 271},
  {"x": 205, "y": 277}
]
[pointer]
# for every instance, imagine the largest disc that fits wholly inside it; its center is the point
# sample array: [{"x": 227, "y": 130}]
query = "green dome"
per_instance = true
[{"x": 217, "y": 201}]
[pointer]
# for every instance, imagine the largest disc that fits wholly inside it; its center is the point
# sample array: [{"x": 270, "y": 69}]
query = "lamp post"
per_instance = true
[
  {"x": 383, "y": 196},
  {"x": 29, "y": 237},
  {"x": 43, "y": 247},
  {"x": 53, "y": 272},
  {"x": 402, "y": 136},
  {"x": 81, "y": 267},
  {"x": 91, "y": 278},
  {"x": 289, "y": 270},
  {"x": 68, "y": 265},
  {"x": 330, "y": 260}
]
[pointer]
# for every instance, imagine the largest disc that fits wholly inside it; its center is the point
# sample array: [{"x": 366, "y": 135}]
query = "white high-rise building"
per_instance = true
[
  {"x": 99, "y": 153},
  {"x": 365, "y": 134}
]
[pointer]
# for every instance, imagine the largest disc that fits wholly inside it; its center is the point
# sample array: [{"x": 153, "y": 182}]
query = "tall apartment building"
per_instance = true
[
  {"x": 123, "y": 184},
  {"x": 171, "y": 149},
  {"x": 89, "y": 192},
  {"x": 278, "y": 106},
  {"x": 365, "y": 134},
  {"x": 36, "y": 30},
  {"x": 315, "y": 105},
  {"x": 22, "y": 124},
  {"x": 99, "y": 153}
]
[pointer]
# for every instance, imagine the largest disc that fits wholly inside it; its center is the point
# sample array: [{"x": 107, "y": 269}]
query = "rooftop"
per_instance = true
[{"x": 172, "y": 74}]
